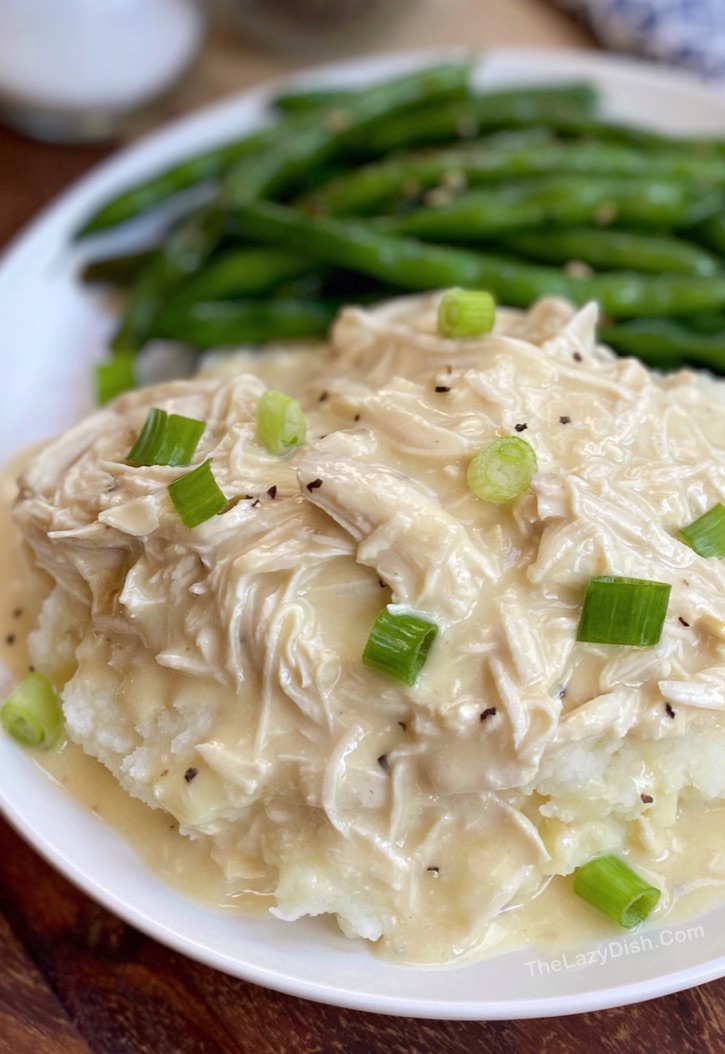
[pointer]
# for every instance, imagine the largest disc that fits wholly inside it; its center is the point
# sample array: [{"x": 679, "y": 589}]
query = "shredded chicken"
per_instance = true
[{"x": 412, "y": 814}]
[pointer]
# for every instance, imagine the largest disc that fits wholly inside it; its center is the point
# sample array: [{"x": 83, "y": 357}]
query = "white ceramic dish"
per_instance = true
[{"x": 51, "y": 331}]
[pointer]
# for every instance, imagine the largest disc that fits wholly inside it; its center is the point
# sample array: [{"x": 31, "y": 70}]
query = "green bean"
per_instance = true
[
  {"x": 707, "y": 322},
  {"x": 712, "y": 233},
  {"x": 229, "y": 322},
  {"x": 317, "y": 139},
  {"x": 560, "y": 201},
  {"x": 438, "y": 82},
  {"x": 115, "y": 270},
  {"x": 612, "y": 250},
  {"x": 185, "y": 251},
  {"x": 585, "y": 126},
  {"x": 321, "y": 137},
  {"x": 629, "y": 295},
  {"x": 374, "y": 187},
  {"x": 507, "y": 109},
  {"x": 410, "y": 264},
  {"x": 143, "y": 197},
  {"x": 572, "y": 117},
  {"x": 313, "y": 98},
  {"x": 667, "y": 345},
  {"x": 308, "y": 99},
  {"x": 402, "y": 262},
  {"x": 241, "y": 273}
]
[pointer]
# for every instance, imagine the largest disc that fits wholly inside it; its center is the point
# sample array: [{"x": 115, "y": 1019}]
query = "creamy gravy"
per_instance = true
[
  {"x": 153, "y": 833},
  {"x": 552, "y": 922},
  {"x": 19, "y": 604}
]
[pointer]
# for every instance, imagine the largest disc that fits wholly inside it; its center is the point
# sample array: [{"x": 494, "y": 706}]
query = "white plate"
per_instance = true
[{"x": 51, "y": 331}]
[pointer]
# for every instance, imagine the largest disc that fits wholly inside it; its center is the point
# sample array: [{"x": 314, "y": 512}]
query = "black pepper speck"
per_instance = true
[
  {"x": 314, "y": 484},
  {"x": 489, "y": 712},
  {"x": 669, "y": 711},
  {"x": 190, "y": 774},
  {"x": 565, "y": 419},
  {"x": 442, "y": 388},
  {"x": 647, "y": 798},
  {"x": 521, "y": 427}
]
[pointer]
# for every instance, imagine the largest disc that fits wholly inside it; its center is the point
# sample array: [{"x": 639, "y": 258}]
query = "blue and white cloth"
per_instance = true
[{"x": 687, "y": 33}]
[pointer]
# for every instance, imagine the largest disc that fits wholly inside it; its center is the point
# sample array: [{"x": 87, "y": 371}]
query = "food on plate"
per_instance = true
[
  {"x": 351, "y": 194},
  {"x": 32, "y": 713},
  {"x": 401, "y": 626}
]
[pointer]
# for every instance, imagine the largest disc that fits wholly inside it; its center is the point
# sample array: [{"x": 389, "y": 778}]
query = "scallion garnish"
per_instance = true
[
  {"x": 620, "y": 610},
  {"x": 281, "y": 425},
  {"x": 398, "y": 644},
  {"x": 465, "y": 313},
  {"x": 32, "y": 714},
  {"x": 610, "y": 885},
  {"x": 502, "y": 470},
  {"x": 114, "y": 377},
  {"x": 166, "y": 439},
  {"x": 196, "y": 496},
  {"x": 706, "y": 535}
]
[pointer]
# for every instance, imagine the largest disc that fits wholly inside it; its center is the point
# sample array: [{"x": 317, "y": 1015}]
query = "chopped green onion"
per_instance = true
[
  {"x": 465, "y": 313},
  {"x": 610, "y": 885},
  {"x": 399, "y": 644},
  {"x": 502, "y": 470},
  {"x": 32, "y": 714},
  {"x": 114, "y": 377},
  {"x": 166, "y": 439},
  {"x": 196, "y": 496},
  {"x": 706, "y": 535},
  {"x": 281, "y": 425},
  {"x": 623, "y": 611}
]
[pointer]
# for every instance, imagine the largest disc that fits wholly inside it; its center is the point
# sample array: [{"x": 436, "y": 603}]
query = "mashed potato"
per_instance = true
[{"x": 217, "y": 671}]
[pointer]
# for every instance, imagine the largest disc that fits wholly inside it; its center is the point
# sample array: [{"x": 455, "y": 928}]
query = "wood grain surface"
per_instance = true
[{"x": 74, "y": 979}]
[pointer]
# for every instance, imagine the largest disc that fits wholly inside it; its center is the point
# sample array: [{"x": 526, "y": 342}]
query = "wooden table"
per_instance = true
[{"x": 75, "y": 980}]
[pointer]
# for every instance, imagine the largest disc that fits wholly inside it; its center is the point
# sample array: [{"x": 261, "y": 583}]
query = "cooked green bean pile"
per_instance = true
[{"x": 417, "y": 183}]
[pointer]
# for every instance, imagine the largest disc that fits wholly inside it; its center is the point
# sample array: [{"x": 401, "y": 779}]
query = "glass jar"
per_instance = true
[{"x": 75, "y": 70}]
